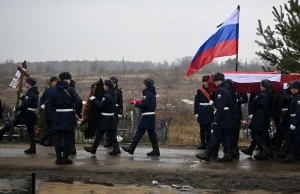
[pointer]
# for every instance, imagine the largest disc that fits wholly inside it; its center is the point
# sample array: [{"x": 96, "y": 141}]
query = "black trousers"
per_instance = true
[
  {"x": 205, "y": 132},
  {"x": 236, "y": 134},
  {"x": 261, "y": 137},
  {"x": 140, "y": 133},
  {"x": 100, "y": 133},
  {"x": 63, "y": 141},
  {"x": 49, "y": 125},
  {"x": 220, "y": 135}
]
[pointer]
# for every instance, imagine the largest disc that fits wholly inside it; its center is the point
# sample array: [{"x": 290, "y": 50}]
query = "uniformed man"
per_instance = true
[
  {"x": 147, "y": 122},
  {"x": 119, "y": 107},
  {"x": 1, "y": 110},
  {"x": 241, "y": 98},
  {"x": 27, "y": 113},
  {"x": 107, "y": 124},
  {"x": 293, "y": 137},
  {"x": 283, "y": 126},
  {"x": 64, "y": 99},
  {"x": 203, "y": 111},
  {"x": 223, "y": 121},
  {"x": 49, "y": 112},
  {"x": 260, "y": 121}
]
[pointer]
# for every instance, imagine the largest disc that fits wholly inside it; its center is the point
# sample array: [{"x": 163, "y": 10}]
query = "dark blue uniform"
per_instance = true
[
  {"x": 238, "y": 117},
  {"x": 205, "y": 113},
  {"x": 293, "y": 136},
  {"x": 118, "y": 94},
  {"x": 49, "y": 111},
  {"x": 283, "y": 126},
  {"x": 27, "y": 113},
  {"x": 223, "y": 119},
  {"x": 107, "y": 121},
  {"x": 64, "y": 99},
  {"x": 260, "y": 123},
  {"x": 147, "y": 121}
]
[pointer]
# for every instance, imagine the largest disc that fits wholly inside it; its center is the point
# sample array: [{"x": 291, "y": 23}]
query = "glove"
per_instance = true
[
  {"x": 134, "y": 102},
  {"x": 43, "y": 106},
  {"x": 237, "y": 100},
  {"x": 120, "y": 116},
  {"x": 250, "y": 116},
  {"x": 292, "y": 127},
  {"x": 211, "y": 102},
  {"x": 285, "y": 86},
  {"x": 92, "y": 98},
  {"x": 14, "y": 110},
  {"x": 196, "y": 116}
]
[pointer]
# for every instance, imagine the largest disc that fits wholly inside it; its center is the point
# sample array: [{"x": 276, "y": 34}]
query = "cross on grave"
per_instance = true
[{"x": 23, "y": 74}]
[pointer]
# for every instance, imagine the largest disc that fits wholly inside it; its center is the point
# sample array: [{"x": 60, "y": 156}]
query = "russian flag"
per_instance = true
[{"x": 223, "y": 43}]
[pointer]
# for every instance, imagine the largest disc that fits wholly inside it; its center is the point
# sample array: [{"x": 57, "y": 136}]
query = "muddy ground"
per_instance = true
[{"x": 177, "y": 166}]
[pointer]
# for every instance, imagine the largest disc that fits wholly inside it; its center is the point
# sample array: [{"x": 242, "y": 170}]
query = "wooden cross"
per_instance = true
[{"x": 23, "y": 74}]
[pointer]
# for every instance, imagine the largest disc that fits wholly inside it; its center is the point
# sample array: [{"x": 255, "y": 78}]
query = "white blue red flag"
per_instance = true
[{"x": 223, "y": 43}]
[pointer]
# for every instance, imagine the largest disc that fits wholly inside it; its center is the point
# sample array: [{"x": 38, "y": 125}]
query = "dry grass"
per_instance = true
[{"x": 184, "y": 130}]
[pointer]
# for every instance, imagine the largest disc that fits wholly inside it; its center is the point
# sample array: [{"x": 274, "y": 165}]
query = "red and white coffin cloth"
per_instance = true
[{"x": 249, "y": 82}]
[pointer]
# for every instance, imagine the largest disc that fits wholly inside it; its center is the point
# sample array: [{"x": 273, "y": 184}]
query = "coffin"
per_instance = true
[{"x": 249, "y": 82}]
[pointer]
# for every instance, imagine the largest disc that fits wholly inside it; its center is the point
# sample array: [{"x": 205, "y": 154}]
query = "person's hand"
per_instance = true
[
  {"x": 196, "y": 116},
  {"x": 92, "y": 98},
  {"x": 285, "y": 86},
  {"x": 120, "y": 116},
  {"x": 43, "y": 106},
  {"x": 250, "y": 116},
  {"x": 211, "y": 102},
  {"x": 14, "y": 110},
  {"x": 292, "y": 127}
]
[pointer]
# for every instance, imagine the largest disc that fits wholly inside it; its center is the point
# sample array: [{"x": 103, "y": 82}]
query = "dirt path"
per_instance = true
[{"x": 175, "y": 166}]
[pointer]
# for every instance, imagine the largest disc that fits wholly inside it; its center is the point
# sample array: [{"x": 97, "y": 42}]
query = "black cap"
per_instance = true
[
  {"x": 218, "y": 77},
  {"x": 295, "y": 85},
  {"x": 266, "y": 83},
  {"x": 148, "y": 82},
  {"x": 205, "y": 78},
  {"x": 31, "y": 81},
  {"x": 52, "y": 79},
  {"x": 114, "y": 79},
  {"x": 109, "y": 83},
  {"x": 65, "y": 75}
]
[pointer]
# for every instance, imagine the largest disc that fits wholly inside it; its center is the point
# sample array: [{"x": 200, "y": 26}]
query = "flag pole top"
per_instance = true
[{"x": 238, "y": 7}]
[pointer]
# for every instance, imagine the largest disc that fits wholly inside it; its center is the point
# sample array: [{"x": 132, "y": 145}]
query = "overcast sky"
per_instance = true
[{"x": 156, "y": 30}]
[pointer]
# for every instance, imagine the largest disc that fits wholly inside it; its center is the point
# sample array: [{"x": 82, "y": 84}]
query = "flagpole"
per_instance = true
[{"x": 237, "y": 55}]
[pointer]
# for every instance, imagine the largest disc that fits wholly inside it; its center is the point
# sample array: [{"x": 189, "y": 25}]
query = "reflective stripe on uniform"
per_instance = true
[
  {"x": 64, "y": 110},
  {"x": 293, "y": 115},
  {"x": 31, "y": 109},
  {"x": 204, "y": 104},
  {"x": 285, "y": 109},
  {"x": 148, "y": 113},
  {"x": 107, "y": 114}
]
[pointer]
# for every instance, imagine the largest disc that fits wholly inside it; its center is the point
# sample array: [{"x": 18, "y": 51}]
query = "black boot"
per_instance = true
[
  {"x": 116, "y": 150},
  {"x": 2, "y": 132},
  {"x": 264, "y": 153},
  {"x": 280, "y": 154},
  {"x": 131, "y": 148},
  {"x": 205, "y": 156},
  {"x": 48, "y": 141},
  {"x": 155, "y": 152},
  {"x": 91, "y": 149},
  {"x": 226, "y": 158},
  {"x": 58, "y": 161},
  {"x": 249, "y": 150},
  {"x": 202, "y": 145},
  {"x": 290, "y": 158},
  {"x": 65, "y": 160},
  {"x": 32, "y": 149},
  {"x": 107, "y": 143},
  {"x": 235, "y": 153}
]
